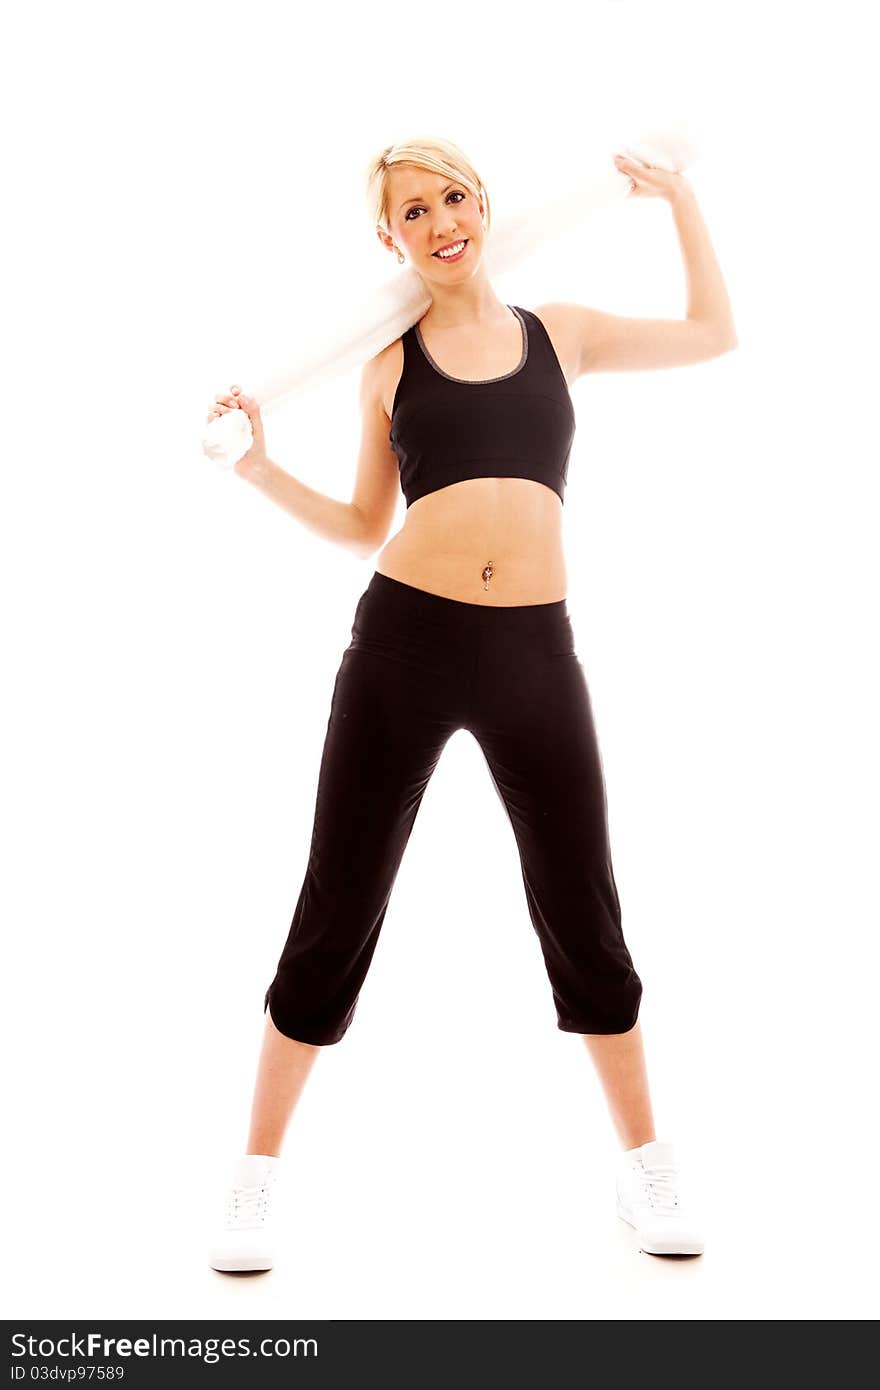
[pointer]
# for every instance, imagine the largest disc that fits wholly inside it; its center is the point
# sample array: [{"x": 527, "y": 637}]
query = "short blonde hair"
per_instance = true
[{"x": 437, "y": 156}]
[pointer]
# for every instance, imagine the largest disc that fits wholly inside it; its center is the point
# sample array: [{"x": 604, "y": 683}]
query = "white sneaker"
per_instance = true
[
  {"x": 648, "y": 1199},
  {"x": 246, "y": 1237}
]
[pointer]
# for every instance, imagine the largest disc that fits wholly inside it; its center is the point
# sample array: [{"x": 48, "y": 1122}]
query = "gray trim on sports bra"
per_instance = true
[{"x": 482, "y": 381}]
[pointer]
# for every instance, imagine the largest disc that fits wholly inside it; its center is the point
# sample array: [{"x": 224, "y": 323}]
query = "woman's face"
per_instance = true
[{"x": 427, "y": 211}]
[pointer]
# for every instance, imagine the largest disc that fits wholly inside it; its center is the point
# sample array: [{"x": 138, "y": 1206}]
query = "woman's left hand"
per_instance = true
[{"x": 650, "y": 182}]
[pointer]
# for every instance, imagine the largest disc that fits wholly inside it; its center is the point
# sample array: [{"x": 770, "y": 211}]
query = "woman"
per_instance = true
[{"x": 464, "y": 624}]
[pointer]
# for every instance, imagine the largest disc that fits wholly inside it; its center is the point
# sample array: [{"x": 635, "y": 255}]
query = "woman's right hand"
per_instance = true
[{"x": 255, "y": 458}]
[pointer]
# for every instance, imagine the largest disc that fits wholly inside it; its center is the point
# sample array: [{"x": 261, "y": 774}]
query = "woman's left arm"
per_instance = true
[
  {"x": 613, "y": 342},
  {"x": 708, "y": 302}
]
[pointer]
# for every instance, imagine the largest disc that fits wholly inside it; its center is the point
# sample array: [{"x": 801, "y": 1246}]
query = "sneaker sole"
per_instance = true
[
  {"x": 239, "y": 1267},
  {"x": 680, "y": 1247}
]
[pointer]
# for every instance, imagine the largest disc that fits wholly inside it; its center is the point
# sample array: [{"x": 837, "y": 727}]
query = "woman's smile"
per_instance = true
[{"x": 445, "y": 256}]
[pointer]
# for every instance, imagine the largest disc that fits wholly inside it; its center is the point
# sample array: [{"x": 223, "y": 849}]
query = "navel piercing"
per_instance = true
[{"x": 487, "y": 574}]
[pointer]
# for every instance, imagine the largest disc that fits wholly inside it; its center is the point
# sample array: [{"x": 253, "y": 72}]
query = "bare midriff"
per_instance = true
[{"x": 496, "y": 541}]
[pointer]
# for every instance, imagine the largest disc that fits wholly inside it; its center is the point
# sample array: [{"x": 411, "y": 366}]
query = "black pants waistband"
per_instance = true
[{"x": 395, "y": 595}]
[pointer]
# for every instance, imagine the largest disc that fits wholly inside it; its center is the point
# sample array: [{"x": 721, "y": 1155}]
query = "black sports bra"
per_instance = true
[{"x": 519, "y": 425}]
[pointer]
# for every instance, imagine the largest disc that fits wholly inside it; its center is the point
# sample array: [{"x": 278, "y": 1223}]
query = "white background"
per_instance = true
[{"x": 185, "y": 192}]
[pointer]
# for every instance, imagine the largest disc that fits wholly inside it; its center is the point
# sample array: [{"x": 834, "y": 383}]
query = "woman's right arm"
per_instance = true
[
  {"x": 362, "y": 524},
  {"x": 328, "y": 517}
]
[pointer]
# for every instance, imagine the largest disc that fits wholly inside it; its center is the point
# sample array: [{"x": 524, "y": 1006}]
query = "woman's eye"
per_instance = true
[{"x": 456, "y": 193}]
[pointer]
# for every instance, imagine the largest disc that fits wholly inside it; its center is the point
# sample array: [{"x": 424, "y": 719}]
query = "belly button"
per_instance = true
[{"x": 487, "y": 574}]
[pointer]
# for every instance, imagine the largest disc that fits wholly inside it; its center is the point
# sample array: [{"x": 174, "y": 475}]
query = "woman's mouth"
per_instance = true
[{"x": 452, "y": 254}]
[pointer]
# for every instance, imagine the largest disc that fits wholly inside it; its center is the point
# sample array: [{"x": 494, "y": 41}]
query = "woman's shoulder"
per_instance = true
[
  {"x": 382, "y": 372},
  {"x": 558, "y": 322}
]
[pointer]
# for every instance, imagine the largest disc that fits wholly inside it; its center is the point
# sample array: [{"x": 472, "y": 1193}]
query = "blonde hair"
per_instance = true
[{"x": 437, "y": 156}]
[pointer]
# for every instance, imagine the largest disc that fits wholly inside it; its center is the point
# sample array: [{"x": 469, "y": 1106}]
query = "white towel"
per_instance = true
[{"x": 394, "y": 306}]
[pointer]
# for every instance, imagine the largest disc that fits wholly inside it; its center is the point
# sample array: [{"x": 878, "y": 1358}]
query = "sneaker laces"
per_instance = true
[
  {"x": 247, "y": 1204},
  {"x": 660, "y": 1184}
]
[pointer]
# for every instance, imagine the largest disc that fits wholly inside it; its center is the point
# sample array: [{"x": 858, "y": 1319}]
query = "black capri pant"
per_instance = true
[{"x": 419, "y": 667}]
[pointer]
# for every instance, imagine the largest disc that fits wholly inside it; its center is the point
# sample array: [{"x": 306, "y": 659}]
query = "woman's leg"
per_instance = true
[
  {"x": 389, "y": 722},
  {"x": 384, "y": 739},
  {"x": 534, "y": 722},
  {"x": 282, "y": 1073},
  {"x": 619, "y": 1059},
  {"x": 376, "y": 764}
]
